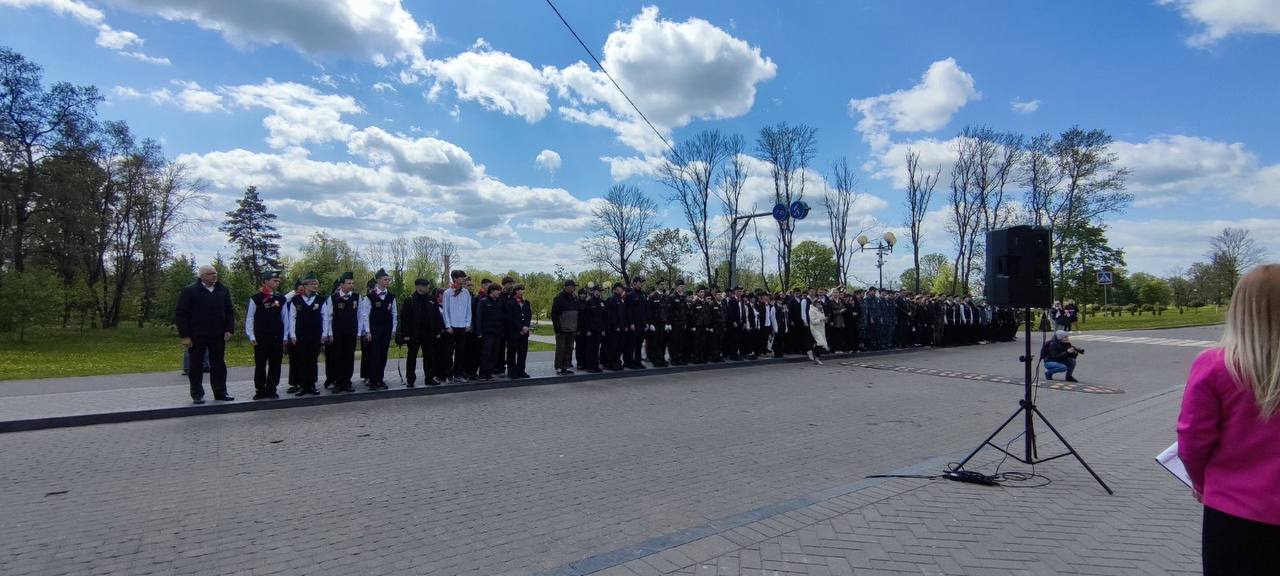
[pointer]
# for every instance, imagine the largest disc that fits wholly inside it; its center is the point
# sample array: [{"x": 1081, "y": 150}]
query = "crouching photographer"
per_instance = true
[{"x": 1060, "y": 356}]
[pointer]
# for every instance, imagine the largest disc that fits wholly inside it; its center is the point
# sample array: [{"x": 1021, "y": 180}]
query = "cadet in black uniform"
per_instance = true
[
  {"x": 421, "y": 328},
  {"x": 342, "y": 323},
  {"x": 615, "y": 325},
  {"x": 591, "y": 325},
  {"x": 264, "y": 324},
  {"x": 715, "y": 325},
  {"x": 678, "y": 317},
  {"x": 637, "y": 324},
  {"x": 699, "y": 322},
  {"x": 306, "y": 334},
  {"x": 518, "y": 316},
  {"x": 659, "y": 321}
]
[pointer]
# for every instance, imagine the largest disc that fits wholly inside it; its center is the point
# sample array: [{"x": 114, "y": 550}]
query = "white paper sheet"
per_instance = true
[{"x": 1169, "y": 459}]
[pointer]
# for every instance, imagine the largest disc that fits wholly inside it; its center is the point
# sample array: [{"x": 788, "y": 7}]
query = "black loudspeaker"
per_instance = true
[{"x": 1018, "y": 267}]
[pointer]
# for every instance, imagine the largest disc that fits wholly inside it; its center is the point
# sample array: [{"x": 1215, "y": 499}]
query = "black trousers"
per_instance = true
[
  {"x": 267, "y": 355},
  {"x": 303, "y": 362},
  {"x": 588, "y": 349},
  {"x": 633, "y": 345},
  {"x": 459, "y": 338},
  {"x": 1234, "y": 546},
  {"x": 517, "y": 349},
  {"x": 715, "y": 341},
  {"x": 216, "y": 348},
  {"x": 411, "y": 359},
  {"x": 489, "y": 346},
  {"x": 377, "y": 350},
  {"x": 779, "y": 344},
  {"x": 340, "y": 359},
  {"x": 657, "y": 345},
  {"x": 676, "y": 340},
  {"x": 615, "y": 341}
]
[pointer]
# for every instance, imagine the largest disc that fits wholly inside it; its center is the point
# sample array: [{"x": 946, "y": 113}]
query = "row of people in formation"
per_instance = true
[{"x": 461, "y": 333}]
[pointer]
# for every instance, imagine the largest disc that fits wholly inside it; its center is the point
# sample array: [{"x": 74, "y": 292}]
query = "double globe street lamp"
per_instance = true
[{"x": 883, "y": 246}]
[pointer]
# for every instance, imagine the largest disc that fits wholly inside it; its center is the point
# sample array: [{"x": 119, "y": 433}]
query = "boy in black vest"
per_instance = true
[
  {"x": 342, "y": 330},
  {"x": 377, "y": 324},
  {"x": 264, "y": 324},
  {"x": 306, "y": 334}
]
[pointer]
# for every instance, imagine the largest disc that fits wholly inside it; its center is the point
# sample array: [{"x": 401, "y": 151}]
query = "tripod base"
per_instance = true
[
  {"x": 1027, "y": 408},
  {"x": 1032, "y": 458}
]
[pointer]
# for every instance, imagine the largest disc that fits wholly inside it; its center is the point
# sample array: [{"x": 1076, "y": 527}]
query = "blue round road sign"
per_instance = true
[
  {"x": 799, "y": 209},
  {"x": 779, "y": 211}
]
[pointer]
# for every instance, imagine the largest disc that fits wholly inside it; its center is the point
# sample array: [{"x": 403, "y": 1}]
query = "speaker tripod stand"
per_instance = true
[{"x": 1027, "y": 408}]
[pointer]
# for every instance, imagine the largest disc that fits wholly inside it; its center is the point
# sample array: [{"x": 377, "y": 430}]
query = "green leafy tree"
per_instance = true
[
  {"x": 252, "y": 229},
  {"x": 814, "y": 265},
  {"x": 664, "y": 252},
  {"x": 932, "y": 268},
  {"x": 25, "y": 300},
  {"x": 328, "y": 258},
  {"x": 1155, "y": 292}
]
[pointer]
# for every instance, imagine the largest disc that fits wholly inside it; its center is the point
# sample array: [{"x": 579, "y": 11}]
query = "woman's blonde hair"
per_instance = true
[{"x": 1252, "y": 337}]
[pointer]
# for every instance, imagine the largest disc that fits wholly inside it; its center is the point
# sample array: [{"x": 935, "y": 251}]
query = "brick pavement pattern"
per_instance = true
[
  {"x": 939, "y": 527},
  {"x": 527, "y": 480}
]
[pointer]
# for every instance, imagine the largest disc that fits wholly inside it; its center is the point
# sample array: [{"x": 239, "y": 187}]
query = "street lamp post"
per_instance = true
[{"x": 883, "y": 246}]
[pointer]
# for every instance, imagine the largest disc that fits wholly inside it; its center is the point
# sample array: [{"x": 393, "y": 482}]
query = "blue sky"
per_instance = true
[{"x": 383, "y": 118}]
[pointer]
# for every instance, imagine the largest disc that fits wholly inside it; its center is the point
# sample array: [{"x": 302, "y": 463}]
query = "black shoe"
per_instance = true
[
  {"x": 485, "y": 379},
  {"x": 184, "y": 372},
  {"x": 594, "y": 370},
  {"x": 225, "y": 399},
  {"x": 1048, "y": 375},
  {"x": 292, "y": 390},
  {"x": 300, "y": 393},
  {"x": 260, "y": 396},
  {"x": 1072, "y": 379},
  {"x": 197, "y": 400},
  {"x": 408, "y": 385},
  {"x": 327, "y": 384}
]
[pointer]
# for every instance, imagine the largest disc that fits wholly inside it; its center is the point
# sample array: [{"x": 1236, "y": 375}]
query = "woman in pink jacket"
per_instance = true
[{"x": 1229, "y": 432}]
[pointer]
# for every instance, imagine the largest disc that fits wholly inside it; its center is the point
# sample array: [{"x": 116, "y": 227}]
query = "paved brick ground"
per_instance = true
[
  {"x": 1151, "y": 525},
  {"x": 527, "y": 480}
]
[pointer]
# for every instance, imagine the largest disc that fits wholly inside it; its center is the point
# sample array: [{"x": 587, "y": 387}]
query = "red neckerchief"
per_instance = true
[
  {"x": 519, "y": 301},
  {"x": 267, "y": 292}
]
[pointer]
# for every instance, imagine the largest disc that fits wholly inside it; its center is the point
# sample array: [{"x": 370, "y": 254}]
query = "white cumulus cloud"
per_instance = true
[
  {"x": 382, "y": 31},
  {"x": 548, "y": 160},
  {"x": 1222, "y": 18},
  {"x": 496, "y": 80},
  {"x": 119, "y": 40},
  {"x": 926, "y": 107}
]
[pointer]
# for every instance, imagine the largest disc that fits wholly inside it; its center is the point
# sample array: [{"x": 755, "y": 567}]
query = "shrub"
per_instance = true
[
  {"x": 1132, "y": 309},
  {"x": 1196, "y": 304}
]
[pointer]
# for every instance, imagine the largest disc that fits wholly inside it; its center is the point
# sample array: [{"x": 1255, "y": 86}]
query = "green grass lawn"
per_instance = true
[
  {"x": 1205, "y": 316},
  {"x": 55, "y": 352}
]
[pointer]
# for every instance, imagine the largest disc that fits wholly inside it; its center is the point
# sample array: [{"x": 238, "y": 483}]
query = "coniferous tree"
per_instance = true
[{"x": 252, "y": 229}]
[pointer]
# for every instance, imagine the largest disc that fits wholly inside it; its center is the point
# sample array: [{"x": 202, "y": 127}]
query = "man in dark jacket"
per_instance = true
[
  {"x": 678, "y": 316},
  {"x": 564, "y": 322},
  {"x": 205, "y": 320},
  {"x": 518, "y": 316},
  {"x": 1060, "y": 356},
  {"x": 490, "y": 323},
  {"x": 420, "y": 328}
]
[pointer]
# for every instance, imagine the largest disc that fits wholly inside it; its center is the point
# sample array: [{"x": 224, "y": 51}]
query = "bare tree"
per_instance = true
[
  {"x": 160, "y": 214},
  {"x": 788, "y": 150},
  {"x": 690, "y": 170},
  {"x": 964, "y": 210},
  {"x": 839, "y": 202},
  {"x": 375, "y": 254},
  {"x": 1040, "y": 176},
  {"x": 732, "y": 180},
  {"x": 620, "y": 227},
  {"x": 1235, "y": 251},
  {"x": 764, "y": 278},
  {"x": 920, "y": 186}
]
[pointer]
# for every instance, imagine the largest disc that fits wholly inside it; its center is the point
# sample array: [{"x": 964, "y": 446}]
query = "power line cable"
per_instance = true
[{"x": 610, "y": 76}]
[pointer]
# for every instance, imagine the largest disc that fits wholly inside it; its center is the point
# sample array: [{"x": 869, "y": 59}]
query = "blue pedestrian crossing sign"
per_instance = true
[
  {"x": 1104, "y": 277},
  {"x": 799, "y": 209},
  {"x": 780, "y": 212}
]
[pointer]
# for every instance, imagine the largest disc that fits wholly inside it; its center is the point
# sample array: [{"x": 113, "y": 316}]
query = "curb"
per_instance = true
[{"x": 328, "y": 399}]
